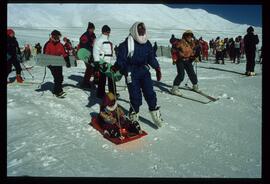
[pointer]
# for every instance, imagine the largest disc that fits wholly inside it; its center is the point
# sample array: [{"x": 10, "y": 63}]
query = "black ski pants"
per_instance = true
[
  {"x": 250, "y": 61},
  {"x": 57, "y": 73},
  {"x": 102, "y": 84},
  {"x": 13, "y": 61},
  {"x": 181, "y": 66}
]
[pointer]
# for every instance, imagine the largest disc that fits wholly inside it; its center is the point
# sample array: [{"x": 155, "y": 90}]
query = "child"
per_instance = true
[{"x": 113, "y": 120}]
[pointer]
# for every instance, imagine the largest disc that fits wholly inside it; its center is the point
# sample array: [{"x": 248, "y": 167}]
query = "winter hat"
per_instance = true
[
  {"x": 90, "y": 25},
  {"x": 10, "y": 31},
  {"x": 56, "y": 33},
  {"x": 187, "y": 33},
  {"x": 134, "y": 32},
  {"x": 250, "y": 29},
  {"x": 109, "y": 101},
  {"x": 106, "y": 29}
]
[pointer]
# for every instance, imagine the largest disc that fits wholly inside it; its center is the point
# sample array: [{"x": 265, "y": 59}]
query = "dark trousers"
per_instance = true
[
  {"x": 219, "y": 56},
  {"x": 181, "y": 66},
  {"x": 102, "y": 84},
  {"x": 13, "y": 61},
  {"x": 142, "y": 83},
  {"x": 89, "y": 71},
  {"x": 57, "y": 77},
  {"x": 250, "y": 61}
]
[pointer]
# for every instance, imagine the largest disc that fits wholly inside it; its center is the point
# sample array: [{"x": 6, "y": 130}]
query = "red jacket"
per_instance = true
[{"x": 54, "y": 48}]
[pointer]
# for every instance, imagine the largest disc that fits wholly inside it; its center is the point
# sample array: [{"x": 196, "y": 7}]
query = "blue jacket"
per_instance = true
[{"x": 142, "y": 57}]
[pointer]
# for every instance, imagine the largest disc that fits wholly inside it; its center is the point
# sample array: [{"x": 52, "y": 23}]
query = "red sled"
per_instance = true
[{"x": 127, "y": 135}]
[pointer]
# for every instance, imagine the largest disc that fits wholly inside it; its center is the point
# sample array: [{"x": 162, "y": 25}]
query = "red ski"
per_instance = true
[{"x": 128, "y": 136}]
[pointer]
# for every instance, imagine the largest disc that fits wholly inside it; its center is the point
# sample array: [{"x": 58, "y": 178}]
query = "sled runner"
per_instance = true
[
  {"x": 45, "y": 60},
  {"x": 128, "y": 136}
]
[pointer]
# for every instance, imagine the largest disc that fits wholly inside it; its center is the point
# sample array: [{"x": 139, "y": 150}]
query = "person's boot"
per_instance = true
[
  {"x": 133, "y": 116},
  {"x": 195, "y": 87},
  {"x": 19, "y": 78},
  {"x": 156, "y": 117},
  {"x": 176, "y": 91}
]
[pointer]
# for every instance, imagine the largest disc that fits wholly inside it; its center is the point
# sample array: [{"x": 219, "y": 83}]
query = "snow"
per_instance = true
[{"x": 47, "y": 136}]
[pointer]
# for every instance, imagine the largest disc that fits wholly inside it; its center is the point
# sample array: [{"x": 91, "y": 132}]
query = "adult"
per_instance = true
[
  {"x": 13, "y": 52},
  {"x": 250, "y": 42},
  {"x": 135, "y": 55}
]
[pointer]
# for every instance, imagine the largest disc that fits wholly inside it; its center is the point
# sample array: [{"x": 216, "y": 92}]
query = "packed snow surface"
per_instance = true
[{"x": 48, "y": 136}]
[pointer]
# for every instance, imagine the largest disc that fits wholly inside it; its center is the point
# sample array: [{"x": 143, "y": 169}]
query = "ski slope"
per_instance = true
[{"x": 48, "y": 136}]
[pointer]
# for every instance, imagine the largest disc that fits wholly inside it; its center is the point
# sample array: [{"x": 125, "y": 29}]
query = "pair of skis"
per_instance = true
[{"x": 210, "y": 98}]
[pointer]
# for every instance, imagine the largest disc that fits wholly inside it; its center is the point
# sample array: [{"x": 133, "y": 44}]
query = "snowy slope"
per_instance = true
[
  {"x": 157, "y": 17},
  {"x": 51, "y": 137}
]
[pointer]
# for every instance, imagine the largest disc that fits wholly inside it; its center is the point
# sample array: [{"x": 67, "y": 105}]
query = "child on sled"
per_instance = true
[{"x": 113, "y": 120}]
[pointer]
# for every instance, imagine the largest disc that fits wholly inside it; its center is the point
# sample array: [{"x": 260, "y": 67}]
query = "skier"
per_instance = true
[
  {"x": 87, "y": 41},
  {"x": 38, "y": 48},
  {"x": 27, "y": 52},
  {"x": 205, "y": 48},
  {"x": 220, "y": 49},
  {"x": 68, "y": 46},
  {"x": 13, "y": 52},
  {"x": 135, "y": 55},
  {"x": 186, "y": 55},
  {"x": 56, "y": 48},
  {"x": 112, "y": 119},
  {"x": 155, "y": 47},
  {"x": 237, "y": 50},
  {"x": 103, "y": 50},
  {"x": 250, "y": 42}
]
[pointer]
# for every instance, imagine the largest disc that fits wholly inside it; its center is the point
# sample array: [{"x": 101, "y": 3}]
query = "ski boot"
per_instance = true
[
  {"x": 62, "y": 94},
  {"x": 176, "y": 91},
  {"x": 19, "y": 78},
  {"x": 156, "y": 117},
  {"x": 133, "y": 116},
  {"x": 195, "y": 88}
]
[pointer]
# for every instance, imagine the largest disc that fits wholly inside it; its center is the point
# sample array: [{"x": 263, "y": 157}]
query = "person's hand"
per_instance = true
[
  {"x": 158, "y": 74},
  {"x": 114, "y": 69}
]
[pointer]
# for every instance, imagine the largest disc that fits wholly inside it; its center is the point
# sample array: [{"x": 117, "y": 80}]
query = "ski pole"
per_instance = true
[
  {"x": 27, "y": 70},
  {"x": 117, "y": 109}
]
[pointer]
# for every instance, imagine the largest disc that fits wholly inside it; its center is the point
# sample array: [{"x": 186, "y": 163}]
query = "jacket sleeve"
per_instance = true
[
  {"x": 97, "y": 50},
  {"x": 152, "y": 61},
  {"x": 121, "y": 59}
]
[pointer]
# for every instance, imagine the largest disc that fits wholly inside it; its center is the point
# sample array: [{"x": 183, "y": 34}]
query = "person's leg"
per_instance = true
[
  {"x": 101, "y": 85},
  {"x": 58, "y": 78},
  {"x": 190, "y": 72}
]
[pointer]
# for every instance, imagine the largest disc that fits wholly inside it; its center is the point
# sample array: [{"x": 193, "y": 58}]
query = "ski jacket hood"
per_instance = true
[{"x": 135, "y": 35}]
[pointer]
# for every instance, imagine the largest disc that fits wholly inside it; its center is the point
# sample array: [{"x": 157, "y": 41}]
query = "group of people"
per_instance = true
[{"x": 135, "y": 56}]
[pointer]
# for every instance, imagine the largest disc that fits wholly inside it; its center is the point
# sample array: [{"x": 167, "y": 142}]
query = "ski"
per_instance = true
[
  {"x": 185, "y": 97},
  {"x": 24, "y": 68},
  {"x": 201, "y": 93},
  {"x": 220, "y": 69},
  {"x": 25, "y": 83},
  {"x": 192, "y": 99}
]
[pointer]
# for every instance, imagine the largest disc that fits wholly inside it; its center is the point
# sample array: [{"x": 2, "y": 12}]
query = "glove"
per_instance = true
[
  {"x": 67, "y": 62},
  {"x": 158, "y": 74},
  {"x": 114, "y": 69}
]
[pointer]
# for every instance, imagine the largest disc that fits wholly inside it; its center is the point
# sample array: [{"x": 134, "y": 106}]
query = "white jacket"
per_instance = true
[{"x": 103, "y": 49}]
